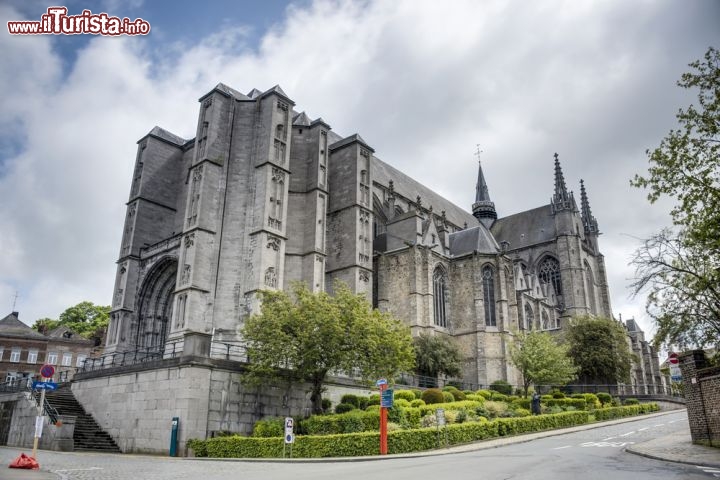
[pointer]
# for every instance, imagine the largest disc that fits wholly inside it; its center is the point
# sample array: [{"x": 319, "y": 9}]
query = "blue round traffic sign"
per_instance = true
[{"x": 47, "y": 371}]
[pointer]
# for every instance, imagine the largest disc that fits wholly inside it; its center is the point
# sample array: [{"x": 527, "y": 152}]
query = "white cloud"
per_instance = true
[{"x": 421, "y": 81}]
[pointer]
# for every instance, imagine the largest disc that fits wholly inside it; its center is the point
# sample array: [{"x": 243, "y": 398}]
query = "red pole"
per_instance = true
[{"x": 383, "y": 425}]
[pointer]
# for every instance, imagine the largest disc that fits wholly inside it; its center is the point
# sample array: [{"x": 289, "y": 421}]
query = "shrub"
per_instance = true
[
  {"x": 405, "y": 395},
  {"x": 374, "y": 399},
  {"x": 462, "y": 416},
  {"x": 344, "y": 407},
  {"x": 557, "y": 393},
  {"x": 522, "y": 412},
  {"x": 605, "y": 398},
  {"x": 546, "y": 397},
  {"x": 401, "y": 403},
  {"x": 418, "y": 393},
  {"x": 577, "y": 403},
  {"x": 372, "y": 408},
  {"x": 499, "y": 397},
  {"x": 448, "y": 397},
  {"x": 417, "y": 403},
  {"x": 631, "y": 401},
  {"x": 433, "y": 395},
  {"x": 326, "y": 405},
  {"x": 366, "y": 443},
  {"x": 475, "y": 397},
  {"x": 269, "y": 427},
  {"x": 611, "y": 413},
  {"x": 501, "y": 386},
  {"x": 486, "y": 394},
  {"x": 362, "y": 402},
  {"x": 350, "y": 399},
  {"x": 495, "y": 409},
  {"x": 353, "y": 421},
  {"x": 457, "y": 394}
]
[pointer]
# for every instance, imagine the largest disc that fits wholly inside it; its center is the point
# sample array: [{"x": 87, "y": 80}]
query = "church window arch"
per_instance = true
[
  {"x": 529, "y": 317},
  {"x": 590, "y": 288},
  {"x": 155, "y": 306},
  {"x": 488, "y": 276},
  {"x": 549, "y": 272},
  {"x": 440, "y": 296},
  {"x": 545, "y": 321}
]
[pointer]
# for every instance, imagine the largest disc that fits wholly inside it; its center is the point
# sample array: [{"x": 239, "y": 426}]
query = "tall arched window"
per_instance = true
[
  {"x": 549, "y": 272},
  {"x": 529, "y": 317},
  {"x": 545, "y": 321},
  {"x": 590, "y": 287},
  {"x": 489, "y": 295},
  {"x": 439, "y": 296}
]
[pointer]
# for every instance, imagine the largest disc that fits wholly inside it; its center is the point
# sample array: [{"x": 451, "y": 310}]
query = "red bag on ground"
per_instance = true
[{"x": 23, "y": 461}]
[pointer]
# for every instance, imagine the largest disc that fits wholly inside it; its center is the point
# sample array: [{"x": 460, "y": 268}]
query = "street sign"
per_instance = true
[
  {"x": 289, "y": 424},
  {"x": 381, "y": 382},
  {"x": 386, "y": 398},
  {"x": 289, "y": 438},
  {"x": 440, "y": 415},
  {"x": 47, "y": 371},
  {"x": 44, "y": 386},
  {"x": 673, "y": 358}
]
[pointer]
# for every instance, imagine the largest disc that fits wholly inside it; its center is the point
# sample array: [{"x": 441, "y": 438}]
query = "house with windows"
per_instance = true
[{"x": 24, "y": 350}]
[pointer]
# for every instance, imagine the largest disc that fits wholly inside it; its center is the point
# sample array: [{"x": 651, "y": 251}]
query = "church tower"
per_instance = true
[{"x": 483, "y": 209}]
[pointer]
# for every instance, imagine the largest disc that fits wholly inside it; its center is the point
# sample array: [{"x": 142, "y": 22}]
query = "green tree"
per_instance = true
[
  {"x": 541, "y": 360},
  {"x": 86, "y": 319},
  {"x": 304, "y": 336},
  {"x": 681, "y": 271},
  {"x": 599, "y": 348},
  {"x": 436, "y": 355}
]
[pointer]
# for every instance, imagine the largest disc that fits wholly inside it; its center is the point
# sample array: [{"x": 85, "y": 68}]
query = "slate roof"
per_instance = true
[
  {"x": 11, "y": 326},
  {"x": 476, "y": 239},
  {"x": 301, "y": 120},
  {"x": 163, "y": 134},
  {"x": 524, "y": 229},
  {"x": 348, "y": 140},
  {"x": 410, "y": 189}
]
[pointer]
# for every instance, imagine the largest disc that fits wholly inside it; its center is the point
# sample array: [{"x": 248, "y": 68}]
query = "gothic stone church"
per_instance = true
[{"x": 265, "y": 196}]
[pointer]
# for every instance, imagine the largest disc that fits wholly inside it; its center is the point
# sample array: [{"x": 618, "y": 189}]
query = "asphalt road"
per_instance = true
[{"x": 587, "y": 455}]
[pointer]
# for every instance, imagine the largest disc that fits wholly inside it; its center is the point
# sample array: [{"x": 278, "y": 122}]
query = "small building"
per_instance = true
[{"x": 23, "y": 351}]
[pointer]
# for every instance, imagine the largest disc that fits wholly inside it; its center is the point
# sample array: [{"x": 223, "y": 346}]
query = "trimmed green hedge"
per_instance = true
[
  {"x": 367, "y": 443},
  {"x": 578, "y": 403},
  {"x": 611, "y": 413}
]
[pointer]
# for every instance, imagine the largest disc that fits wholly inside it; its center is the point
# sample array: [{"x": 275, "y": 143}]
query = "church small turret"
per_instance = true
[
  {"x": 561, "y": 200},
  {"x": 483, "y": 209},
  {"x": 589, "y": 222}
]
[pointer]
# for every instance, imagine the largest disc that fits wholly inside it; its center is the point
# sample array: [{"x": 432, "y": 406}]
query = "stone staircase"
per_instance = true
[{"x": 88, "y": 436}]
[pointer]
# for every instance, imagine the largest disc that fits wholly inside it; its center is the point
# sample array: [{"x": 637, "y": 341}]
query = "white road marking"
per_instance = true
[
  {"x": 606, "y": 439},
  {"x": 606, "y": 444},
  {"x": 626, "y": 434},
  {"x": 560, "y": 448},
  {"x": 642, "y": 429},
  {"x": 660, "y": 425},
  {"x": 708, "y": 469}
]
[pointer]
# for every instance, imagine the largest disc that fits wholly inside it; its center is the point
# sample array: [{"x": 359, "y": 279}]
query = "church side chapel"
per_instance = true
[{"x": 264, "y": 196}]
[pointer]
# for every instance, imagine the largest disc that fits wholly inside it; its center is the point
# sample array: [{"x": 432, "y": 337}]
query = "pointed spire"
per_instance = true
[
  {"x": 588, "y": 220},
  {"x": 561, "y": 200},
  {"x": 483, "y": 209}
]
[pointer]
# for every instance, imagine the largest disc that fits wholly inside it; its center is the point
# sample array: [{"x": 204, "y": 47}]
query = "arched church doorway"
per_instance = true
[{"x": 154, "y": 310}]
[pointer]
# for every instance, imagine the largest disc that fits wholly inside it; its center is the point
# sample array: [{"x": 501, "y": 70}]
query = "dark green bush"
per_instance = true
[
  {"x": 418, "y": 393},
  {"x": 498, "y": 397},
  {"x": 557, "y": 393},
  {"x": 433, "y": 395},
  {"x": 611, "y": 413},
  {"x": 501, "y": 386},
  {"x": 408, "y": 395},
  {"x": 326, "y": 405},
  {"x": 344, "y": 407},
  {"x": 578, "y": 403},
  {"x": 457, "y": 394},
  {"x": 448, "y": 397},
  {"x": 351, "y": 399},
  {"x": 605, "y": 398},
  {"x": 484, "y": 393},
  {"x": 199, "y": 447},
  {"x": 269, "y": 427},
  {"x": 374, "y": 399},
  {"x": 631, "y": 401}
]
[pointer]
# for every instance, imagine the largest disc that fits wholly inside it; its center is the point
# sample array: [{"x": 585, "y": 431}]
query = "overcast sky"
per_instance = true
[{"x": 422, "y": 81}]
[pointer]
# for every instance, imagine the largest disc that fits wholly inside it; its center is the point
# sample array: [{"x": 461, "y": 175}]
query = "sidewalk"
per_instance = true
[{"x": 679, "y": 449}]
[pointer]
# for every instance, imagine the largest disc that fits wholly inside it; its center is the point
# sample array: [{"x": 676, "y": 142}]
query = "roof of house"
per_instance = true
[
  {"x": 11, "y": 326},
  {"x": 524, "y": 229}
]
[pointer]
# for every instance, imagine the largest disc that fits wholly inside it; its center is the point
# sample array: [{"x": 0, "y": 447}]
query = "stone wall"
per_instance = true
[
  {"x": 22, "y": 425},
  {"x": 702, "y": 394},
  {"x": 137, "y": 407}
]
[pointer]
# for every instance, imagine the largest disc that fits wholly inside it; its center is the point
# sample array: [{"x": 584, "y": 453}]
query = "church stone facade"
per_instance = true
[{"x": 264, "y": 196}]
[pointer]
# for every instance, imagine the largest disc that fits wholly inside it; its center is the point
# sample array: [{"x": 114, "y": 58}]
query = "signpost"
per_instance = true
[
  {"x": 383, "y": 385},
  {"x": 673, "y": 358},
  {"x": 289, "y": 435},
  {"x": 46, "y": 371}
]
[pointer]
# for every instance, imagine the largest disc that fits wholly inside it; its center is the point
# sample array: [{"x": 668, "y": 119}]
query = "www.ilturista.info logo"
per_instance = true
[{"x": 57, "y": 22}]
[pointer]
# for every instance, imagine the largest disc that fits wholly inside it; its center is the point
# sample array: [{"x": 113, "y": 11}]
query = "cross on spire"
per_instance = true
[
  {"x": 15, "y": 297},
  {"x": 483, "y": 208}
]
